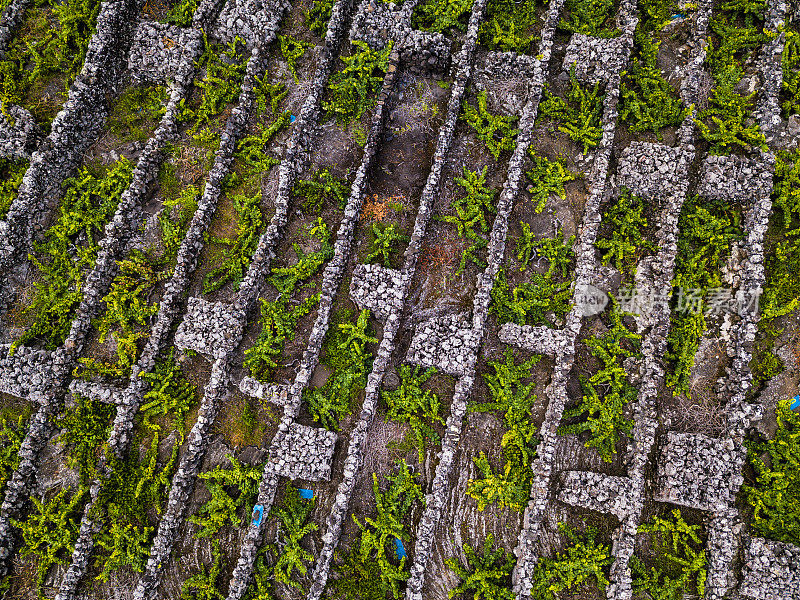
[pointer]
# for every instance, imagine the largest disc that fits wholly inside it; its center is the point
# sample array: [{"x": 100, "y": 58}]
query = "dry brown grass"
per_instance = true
[
  {"x": 702, "y": 413},
  {"x": 378, "y": 209},
  {"x": 378, "y": 458},
  {"x": 443, "y": 255}
]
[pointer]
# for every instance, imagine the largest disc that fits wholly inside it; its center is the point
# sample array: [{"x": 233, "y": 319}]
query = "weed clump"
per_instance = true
[
  {"x": 494, "y": 130},
  {"x": 418, "y": 407},
  {"x": 580, "y": 114},
  {"x": 352, "y": 90},
  {"x": 368, "y": 570},
  {"x": 471, "y": 211},
  {"x": 349, "y": 361},
  {"x": 487, "y": 575},
  {"x": 89, "y": 202},
  {"x": 680, "y": 559},
  {"x": 441, "y": 15},
  {"x": 607, "y": 392},
  {"x": 546, "y": 297},
  {"x": 512, "y": 485}
]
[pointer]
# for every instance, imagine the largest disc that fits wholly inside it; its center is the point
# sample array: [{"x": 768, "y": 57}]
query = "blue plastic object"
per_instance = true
[
  {"x": 795, "y": 402},
  {"x": 292, "y": 118},
  {"x": 258, "y": 515},
  {"x": 399, "y": 548},
  {"x": 306, "y": 494},
  {"x": 677, "y": 16}
]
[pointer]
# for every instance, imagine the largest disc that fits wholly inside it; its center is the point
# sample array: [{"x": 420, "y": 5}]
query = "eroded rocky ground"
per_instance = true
[{"x": 504, "y": 271}]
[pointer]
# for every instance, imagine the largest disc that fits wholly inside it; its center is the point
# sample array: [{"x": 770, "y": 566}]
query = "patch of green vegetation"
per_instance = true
[
  {"x": 205, "y": 584},
  {"x": 580, "y": 114},
  {"x": 181, "y": 13},
  {"x": 739, "y": 35},
  {"x": 86, "y": 429},
  {"x": 648, "y": 102},
  {"x": 322, "y": 189},
  {"x": 441, "y": 15},
  {"x": 583, "y": 566},
  {"x": 729, "y": 114},
  {"x": 56, "y": 38},
  {"x": 507, "y": 26},
  {"x": 278, "y": 323},
  {"x": 293, "y": 50},
  {"x": 369, "y": 570},
  {"x": 251, "y": 160},
  {"x": 318, "y": 15},
  {"x": 511, "y": 486},
  {"x": 790, "y": 63},
  {"x": 11, "y": 436},
  {"x": 174, "y": 220},
  {"x": 224, "y": 72},
  {"x": 238, "y": 251},
  {"x": 353, "y": 90},
  {"x": 69, "y": 249},
  {"x": 386, "y": 237},
  {"x": 349, "y": 362},
  {"x": 471, "y": 211},
  {"x": 626, "y": 225},
  {"x": 230, "y": 490},
  {"x": 279, "y": 320},
  {"x": 138, "y": 483},
  {"x": 726, "y": 124},
  {"x": 590, "y": 17},
  {"x": 486, "y": 576},
  {"x": 546, "y": 296},
  {"x": 707, "y": 229},
  {"x": 786, "y": 190},
  {"x": 49, "y": 531},
  {"x": 169, "y": 395},
  {"x": 781, "y": 295},
  {"x": 136, "y": 111},
  {"x": 295, "y": 524},
  {"x": 494, "y": 130},
  {"x": 558, "y": 253},
  {"x": 680, "y": 565},
  {"x": 416, "y": 406},
  {"x": 547, "y": 177},
  {"x": 11, "y": 174},
  {"x": 127, "y": 312},
  {"x": 656, "y": 13},
  {"x": 607, "y": 392},
  {"x": 775, "y": 494}
]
